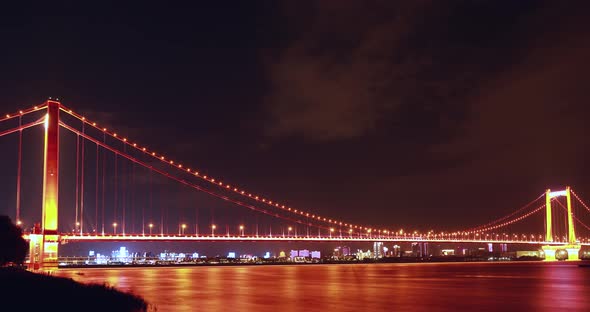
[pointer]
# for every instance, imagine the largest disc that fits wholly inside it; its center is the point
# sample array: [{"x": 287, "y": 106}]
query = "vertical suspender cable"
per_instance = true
[
  {"x": 104, "y": 168},
  {"x": 18, "y": 170},
  {"x": 96, "y": 193},
  {"x": 77, "y": 179},
  {"x": 161, "y": 217},
  {"x": 115, "y": 197},
  {"x": 197, "y": 219},
  {"x": 123, "y": 189},
  {"x": 150, "y": 206},
  {"x": 132, "y": 195},
  {"x": 82, "y": 186}
]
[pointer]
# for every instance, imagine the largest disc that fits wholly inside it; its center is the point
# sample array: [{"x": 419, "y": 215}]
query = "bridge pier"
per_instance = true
[{"x": 554, "y": 253}]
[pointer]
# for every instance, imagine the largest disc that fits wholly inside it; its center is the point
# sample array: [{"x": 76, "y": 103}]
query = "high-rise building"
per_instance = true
[
  {"x": 341, "y": 252},
  {"x": 346, "y": 251},
  {"x": 396, "y": 252},
  {"x": 378, "y": 250},
  {"x": 420, "y": 250}
]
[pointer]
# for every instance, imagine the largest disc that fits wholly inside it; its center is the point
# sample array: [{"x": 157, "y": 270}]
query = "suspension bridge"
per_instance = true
[{"x": 116, "y": 189}]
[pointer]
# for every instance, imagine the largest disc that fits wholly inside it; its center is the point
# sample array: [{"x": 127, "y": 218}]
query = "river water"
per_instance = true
[{"x": 507, "y": 286}]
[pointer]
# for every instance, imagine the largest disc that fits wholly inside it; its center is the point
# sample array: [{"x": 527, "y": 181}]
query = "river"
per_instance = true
[{"x": 504, "y": 286}]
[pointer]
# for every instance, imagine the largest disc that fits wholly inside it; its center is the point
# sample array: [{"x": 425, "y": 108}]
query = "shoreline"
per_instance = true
[{"x": 227, "y": 264}]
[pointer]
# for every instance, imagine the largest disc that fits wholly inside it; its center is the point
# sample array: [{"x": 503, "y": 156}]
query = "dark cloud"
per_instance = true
[
  {"x": 355, "y": 67},
  {"x": 453, "y": 101}
]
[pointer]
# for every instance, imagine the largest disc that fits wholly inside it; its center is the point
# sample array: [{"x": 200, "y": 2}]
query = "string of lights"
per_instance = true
[
  {"x": 21, "y": 113},
  {"x": 182, "y": 181},
  {"x": 230, "y": 187},
  {"x": 574, "y": 216},
  {"x": 507, "y": 222},
  {"x": 506, "y": 216},
  {"x": 581, "y": 201}
]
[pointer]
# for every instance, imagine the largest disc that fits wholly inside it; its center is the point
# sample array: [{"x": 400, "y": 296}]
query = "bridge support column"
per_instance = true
[
  {"x": 549, "y": 232},
  {"x": 49, "y": 232}
]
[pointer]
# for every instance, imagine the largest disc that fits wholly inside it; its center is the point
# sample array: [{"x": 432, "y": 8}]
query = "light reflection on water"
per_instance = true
[{"x": 360, "y": 287}]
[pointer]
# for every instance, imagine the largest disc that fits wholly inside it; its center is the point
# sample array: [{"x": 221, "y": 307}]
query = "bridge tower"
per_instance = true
[
  {"x": 572, "y": 247},
  {"x": 44, "y": 244}
]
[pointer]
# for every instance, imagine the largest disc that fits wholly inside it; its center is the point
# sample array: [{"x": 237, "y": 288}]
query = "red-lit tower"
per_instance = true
[{"x": 44, "y": 245}]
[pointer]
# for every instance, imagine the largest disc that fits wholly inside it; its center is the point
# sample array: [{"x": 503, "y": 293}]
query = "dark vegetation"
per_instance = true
[
  {"x": 22, "y": 290},
  {"x": 13, "y": 248}
]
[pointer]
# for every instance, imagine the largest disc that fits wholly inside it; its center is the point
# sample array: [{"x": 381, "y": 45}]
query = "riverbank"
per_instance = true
[
  {"x": 28, "y": 291},
  {"x": 224, "y": 262}
]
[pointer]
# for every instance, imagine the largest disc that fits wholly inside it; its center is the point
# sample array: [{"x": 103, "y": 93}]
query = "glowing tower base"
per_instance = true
[{"x": 568, "y": 252}]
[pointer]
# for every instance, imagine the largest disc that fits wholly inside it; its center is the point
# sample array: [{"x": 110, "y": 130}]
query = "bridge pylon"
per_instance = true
[
  {"x": 572, "y": 248},
  {"x": 44, "y": 244}
]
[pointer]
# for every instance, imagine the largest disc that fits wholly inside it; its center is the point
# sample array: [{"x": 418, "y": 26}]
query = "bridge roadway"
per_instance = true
[{"x": 64, "y": 238}]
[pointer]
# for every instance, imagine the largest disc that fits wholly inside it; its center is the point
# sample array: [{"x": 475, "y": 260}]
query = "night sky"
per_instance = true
[{"x": 406, "y": 114}]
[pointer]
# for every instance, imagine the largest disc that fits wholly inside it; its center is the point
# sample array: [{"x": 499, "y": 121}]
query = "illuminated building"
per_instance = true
[
  {"x": 396, "y": 252},
  {"x": 121, "y": 255},
  {"x": 360, "y": 254},
  {"x": 304, "y": 253},
  {"x": 448, "y": 252},
  {"x": 378, "y": 250},
  {"x": 420, "y": 250},
  {"x": 504, "y": 247},
  {"x": 315, "y": 255},
  {"x": 341, "y": 252}
]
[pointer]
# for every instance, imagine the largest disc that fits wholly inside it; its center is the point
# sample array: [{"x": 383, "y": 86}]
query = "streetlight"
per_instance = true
[
  {"x": 115, "y": 228},
  {"x": 242, "y": 230},
  {"x": 331, "y": 231},
  {"x": 183, "y": 227},
  {"x": 213, "y": 227},
  {"x": 151, "y": 225},
  {"x": 289, "y": 231},
  {"x": 350, "y": 233}
]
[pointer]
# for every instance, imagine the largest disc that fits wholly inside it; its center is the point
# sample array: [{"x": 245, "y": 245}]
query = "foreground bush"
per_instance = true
[{"x": 27, "y": 291}]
